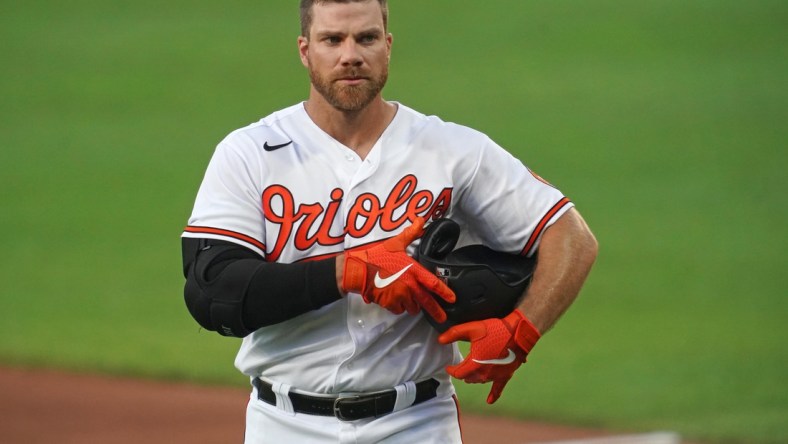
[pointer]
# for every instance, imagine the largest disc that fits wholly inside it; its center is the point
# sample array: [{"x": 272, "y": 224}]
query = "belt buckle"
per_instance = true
[{"x": 338, "y": 407}]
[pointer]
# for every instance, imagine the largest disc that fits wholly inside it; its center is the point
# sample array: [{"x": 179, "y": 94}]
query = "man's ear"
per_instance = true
[{"x": 303, "y": 50}]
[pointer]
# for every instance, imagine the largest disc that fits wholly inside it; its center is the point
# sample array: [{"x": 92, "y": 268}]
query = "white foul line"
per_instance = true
[{"x": 648, "y": 438}]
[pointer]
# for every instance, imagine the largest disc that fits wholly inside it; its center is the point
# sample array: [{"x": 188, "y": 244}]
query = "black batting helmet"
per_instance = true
[{"x": 487, "y": 283}]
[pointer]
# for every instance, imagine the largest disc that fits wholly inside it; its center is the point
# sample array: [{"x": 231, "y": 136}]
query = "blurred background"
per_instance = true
[{"x": 664, "y": 120}]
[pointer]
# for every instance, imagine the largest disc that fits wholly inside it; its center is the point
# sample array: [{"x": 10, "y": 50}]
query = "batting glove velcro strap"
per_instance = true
[
  {"x": 387, "y": 276},
  {"x": 498, "y": 348}
]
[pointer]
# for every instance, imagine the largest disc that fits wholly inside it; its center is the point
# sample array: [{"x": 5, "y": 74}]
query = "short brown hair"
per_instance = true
[{"x": 306, "y": 12}]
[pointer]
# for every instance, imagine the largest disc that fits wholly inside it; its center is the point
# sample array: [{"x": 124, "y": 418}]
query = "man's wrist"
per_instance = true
[
  {"x": 526, "y": 334},
  {"x": 340, "y": 271}
]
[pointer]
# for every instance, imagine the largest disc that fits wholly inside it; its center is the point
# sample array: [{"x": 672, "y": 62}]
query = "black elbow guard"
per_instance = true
[{"x": 217, "y": 276}]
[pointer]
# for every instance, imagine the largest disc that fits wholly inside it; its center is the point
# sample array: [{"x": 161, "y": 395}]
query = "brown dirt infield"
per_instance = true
[{"x": 46, "y": 406}]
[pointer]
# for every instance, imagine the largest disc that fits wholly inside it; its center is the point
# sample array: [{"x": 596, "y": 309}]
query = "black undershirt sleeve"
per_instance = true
[
  {"x": 232, "y": 290},
  {"x": 278, "y": 292}
]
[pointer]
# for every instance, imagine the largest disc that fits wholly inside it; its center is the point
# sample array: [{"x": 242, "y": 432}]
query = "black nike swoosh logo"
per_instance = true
[{"x": 268, "y": 147}]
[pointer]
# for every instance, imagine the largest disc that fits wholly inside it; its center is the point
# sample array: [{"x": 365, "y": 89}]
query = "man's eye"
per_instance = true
[{"x": 368, "y": 38}]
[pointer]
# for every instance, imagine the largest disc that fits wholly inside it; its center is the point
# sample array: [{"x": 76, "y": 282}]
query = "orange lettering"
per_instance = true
[{"x": 312, "y": 222}]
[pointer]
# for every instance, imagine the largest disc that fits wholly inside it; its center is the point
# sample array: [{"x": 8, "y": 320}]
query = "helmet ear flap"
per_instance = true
[{"x": 439, "y": 239}]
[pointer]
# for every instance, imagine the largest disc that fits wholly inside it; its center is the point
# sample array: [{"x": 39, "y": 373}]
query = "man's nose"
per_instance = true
[{"x": 351, "y": 56}]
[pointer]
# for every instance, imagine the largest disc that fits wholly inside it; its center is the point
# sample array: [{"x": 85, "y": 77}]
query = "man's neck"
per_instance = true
[{"x": 357, "y": 130}]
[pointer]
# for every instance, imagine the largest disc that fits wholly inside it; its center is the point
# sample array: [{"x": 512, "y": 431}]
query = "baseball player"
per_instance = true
[{"x": 301, "y": 242}]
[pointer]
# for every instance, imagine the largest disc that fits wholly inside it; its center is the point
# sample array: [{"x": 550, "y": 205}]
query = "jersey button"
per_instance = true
[
  {"x": 360, "y": 323},
  {"x": 349, "y": 157}
]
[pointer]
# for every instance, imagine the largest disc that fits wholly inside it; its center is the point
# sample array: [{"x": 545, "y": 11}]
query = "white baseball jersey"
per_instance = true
[{"x": 287, "y": 190}]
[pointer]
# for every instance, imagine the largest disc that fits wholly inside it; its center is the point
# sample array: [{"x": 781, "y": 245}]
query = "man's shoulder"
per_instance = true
[
  {"x": 274, "y": 119},
  {"x": 433, "y": 126},
  {"x": 268, "y": 127}
]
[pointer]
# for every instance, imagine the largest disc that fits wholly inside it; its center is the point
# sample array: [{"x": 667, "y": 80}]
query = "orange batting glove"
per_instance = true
[
  {"x": 387, "y": 276},
  {"x": 498, "y": 348}
]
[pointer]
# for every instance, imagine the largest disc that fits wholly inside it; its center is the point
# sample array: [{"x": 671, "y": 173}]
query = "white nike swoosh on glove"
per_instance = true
[
  {"x": 507, "y": 360},
  {"x": 382, "y": 283}
]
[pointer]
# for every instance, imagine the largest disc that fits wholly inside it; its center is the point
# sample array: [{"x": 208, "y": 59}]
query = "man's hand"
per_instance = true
[
  {"x": 498, "y": 348},
  {"x": 387, "y": 276}
]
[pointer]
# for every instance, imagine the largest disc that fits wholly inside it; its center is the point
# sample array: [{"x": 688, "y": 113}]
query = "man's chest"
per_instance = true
[{"x": 312, "y": 213}]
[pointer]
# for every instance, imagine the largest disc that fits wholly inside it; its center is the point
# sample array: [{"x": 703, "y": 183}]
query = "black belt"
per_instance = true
[{"x": 347, "y": 407}]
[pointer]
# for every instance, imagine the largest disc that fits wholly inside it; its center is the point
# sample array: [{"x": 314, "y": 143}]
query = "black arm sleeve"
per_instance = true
[{"x": 232, "y": 290}]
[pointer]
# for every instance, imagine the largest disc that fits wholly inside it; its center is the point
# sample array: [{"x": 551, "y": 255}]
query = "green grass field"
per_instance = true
[{"x": 665, "y": 121}]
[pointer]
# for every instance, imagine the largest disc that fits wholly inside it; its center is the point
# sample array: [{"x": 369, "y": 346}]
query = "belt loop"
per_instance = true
[
  {"x": 283, "y": 402},
  {"x": 406, "y": 395}
]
